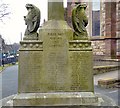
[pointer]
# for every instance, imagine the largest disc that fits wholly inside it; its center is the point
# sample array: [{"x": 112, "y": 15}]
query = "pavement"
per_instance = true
[
  {"x": 9, "y": 81},
  {"x": 113, "y": 93}
]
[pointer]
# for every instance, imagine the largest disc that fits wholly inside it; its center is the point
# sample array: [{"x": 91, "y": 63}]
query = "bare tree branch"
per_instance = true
[
  {"x": 2, "y": 15},
  {"x": 3, "y": 11}
]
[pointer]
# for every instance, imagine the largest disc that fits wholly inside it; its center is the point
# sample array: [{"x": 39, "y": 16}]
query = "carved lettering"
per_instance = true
[
  {"x": 55, "y": 34},
  {"x": 55, "y": 39}
]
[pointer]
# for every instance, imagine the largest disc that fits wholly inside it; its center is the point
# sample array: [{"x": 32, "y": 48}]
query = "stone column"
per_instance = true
[
  {"x": 55, "y": 35},
  {"x": 110, "y": 29},
  {"x": 118, "y": 28},
  {"x": 55, "y": 10}
]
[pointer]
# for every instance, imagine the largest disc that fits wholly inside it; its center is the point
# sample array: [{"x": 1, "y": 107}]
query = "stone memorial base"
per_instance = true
[
  {"x": 32, "y": 36},
  {"x": 56, "y": 99}
]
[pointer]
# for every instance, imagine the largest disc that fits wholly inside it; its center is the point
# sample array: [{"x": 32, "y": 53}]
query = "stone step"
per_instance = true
[
  {"x": 55, "y": 99},
  {"x": 104, "y": 69},
  {"x": 109, "y": 82}
]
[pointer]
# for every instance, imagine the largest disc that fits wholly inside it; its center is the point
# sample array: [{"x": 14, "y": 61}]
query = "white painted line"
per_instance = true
[{"x": 113, "y": 91}]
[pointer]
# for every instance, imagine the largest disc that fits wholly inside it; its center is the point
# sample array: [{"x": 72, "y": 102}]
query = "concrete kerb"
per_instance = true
[
  {"x": 108, "y": 82},
  {"x": 6, "y": 100},
  {"x": 7, "y": 67},
  {"x": 4, "y": 68},
  {"x": 104, "y": 69}
]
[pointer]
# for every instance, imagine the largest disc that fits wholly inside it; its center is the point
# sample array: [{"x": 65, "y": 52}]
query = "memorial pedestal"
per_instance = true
[
  {"x": 56, "y": 99},
  {"x": 55, "y": 70}
]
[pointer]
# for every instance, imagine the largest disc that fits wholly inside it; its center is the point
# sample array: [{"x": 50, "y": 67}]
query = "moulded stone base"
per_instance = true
[
  {"x": 32, "y": 36},
  {"x": 55, "y": 99}
]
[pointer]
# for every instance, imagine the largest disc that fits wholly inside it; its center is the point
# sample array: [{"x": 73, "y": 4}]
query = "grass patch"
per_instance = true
[
  {"x": 1, "y": 68},
  {"x": 6, "y": 65}
]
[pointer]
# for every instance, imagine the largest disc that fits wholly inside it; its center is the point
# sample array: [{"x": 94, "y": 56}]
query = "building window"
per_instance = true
[{"x": 96, "y": 18}]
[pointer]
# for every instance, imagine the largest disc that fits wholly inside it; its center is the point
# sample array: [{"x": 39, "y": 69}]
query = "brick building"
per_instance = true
[
  {"x": 110, "y": 28},
  {"x": 107, "y": 44},
  {"x": 2, "y": 48}
]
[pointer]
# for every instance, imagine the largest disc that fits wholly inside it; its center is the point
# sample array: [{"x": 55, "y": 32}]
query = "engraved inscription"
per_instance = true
[
  {"x": 80, "y": 76},
  {"x": 55, "y": 61},
  {"x": 55, "y": 39},
  {"x": 76, "y": 64},
  {"x": 30, "y": 71},
  {"x": 55, "y": 34}
]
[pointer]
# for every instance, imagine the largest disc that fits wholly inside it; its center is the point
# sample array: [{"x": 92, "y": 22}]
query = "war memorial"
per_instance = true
[{"x": 56, "y": 63}]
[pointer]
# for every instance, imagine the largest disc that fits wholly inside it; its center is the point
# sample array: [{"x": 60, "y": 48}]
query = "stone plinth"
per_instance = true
[
  {"x": 30, "y": 66},
  {"x": 81, "y": 65},
  {"x": 55, "y": 68},
  {"x": 32, "y": 36},
  {"x": 56, "y": 99}
]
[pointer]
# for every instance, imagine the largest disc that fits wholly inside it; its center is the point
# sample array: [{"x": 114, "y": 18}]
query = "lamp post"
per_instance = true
[
  {"x": 0, "y": 56},
  {"x": 0, "y": 52}
]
